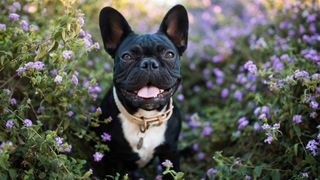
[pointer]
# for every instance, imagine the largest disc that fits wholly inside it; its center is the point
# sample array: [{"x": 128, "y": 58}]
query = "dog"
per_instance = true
[{"x": 145, "y": 121}]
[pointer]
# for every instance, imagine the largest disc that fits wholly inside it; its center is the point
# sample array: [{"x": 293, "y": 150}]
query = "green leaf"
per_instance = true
[
  {"x": 257, "y": 171},
  {"x": 53, "y": 46},
  {"x": 66, "y": 124},
  {"x": 63, "y": 35},
  {"x": 295, "y": 149},
  {"x": 41, "y": 53},
  {"x": 275, "y": 175},
  {"x": 13, "y": 174},
  {"x": 179, "y": 175},
  {"x": 297, "y": 130}
]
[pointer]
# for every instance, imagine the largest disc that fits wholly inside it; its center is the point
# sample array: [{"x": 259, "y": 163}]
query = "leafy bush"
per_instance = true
[
  {"x": 45, "y": 92},
  {"x": 250, "y": 95},
  {"x": 259, "y": 107}
]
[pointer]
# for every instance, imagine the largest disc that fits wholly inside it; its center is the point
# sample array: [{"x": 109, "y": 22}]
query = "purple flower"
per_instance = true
[
  {"x": 217, "y": 58},
  {"x": 13, "y": 17},
  {"x": 301, "y": 74},
  {"x": 312, "y": 146},
  {"x": 242, "y": 122},
  {"x": 276, "y": 63},
  {"x": 316, "y": 76},
  {"x": 167, "y": 163},
  {"x": 314, "y": 105},
  {"x": 219, "y": 80},
  {"x": 194, "y": 124},
  {"x": 269, "y": 138},
  {"x": 3, "y": 27},
  {"x": 211, "y": 171},
  {"x": 58, "y": 79},
  {"x": 305, "y": 174},
  {"x": 17, "y": 5},
  {"x": 297, "y": 119},
  {"x": 256, "y": 126},
  {"x": 206, "y": 72},
  {"x": 58, "y": 140},
  {"x": 250, "y": 66},
  {"x": 81, "y": 21},
  {"x": 106, "y": 137},
  {"x": 196, "y": 88},
  {"x": 25, "y": 25},
  {"x": 13, "y": 102},
  {"x": 194, "y": 117},
  {"x": 301, "y": 29},
  {"x": 67, "y": 54},
  {"x": 96, "y": 45},
  {"x": 74, "y": 79},
  {"x": 265, "y": 109},
  {"x": 9, "y": 124},
  {"x": 313, "y": 115},
  {"x": 241, "y": 78},
  {"x": 82, "y": 33},
  {"x": 238, "y": 95},
  {"x": 70, "y": 113},
  {"x": 97, "y": 156},
  {"x": 311, "y": 18},
  {"x": 38, "y": 65},
  {"x": 224, "y": 93},
  {"x": 218, "y": 72},
  {"x": 209, "y": 84},
  {"x": 276, "y": 126},
  {"x": 312, "y": 28},
  {"x": 34, "y": 27},
  {"x": 200, "y": 155},
  {"x": 87, "y": 42},
  {"x": 195, "y": 147},
  {"x": 94, "y": 90},
  {"x": 98, "y": 110},
  {"x": 207, "y": 130},
  {"x": 27, "y": 122},
  {"x": 257, "y": 111},
  {"x": 265, "y": 126},
  {"x": 66, "y": 148},
  {"x": 20, "y": 70},
  {"x": 262, "y": 116},
  {"x": 180, "y": 97},
  {"x": 106, "y": 67},
  {"x": 54, "y": 72}
]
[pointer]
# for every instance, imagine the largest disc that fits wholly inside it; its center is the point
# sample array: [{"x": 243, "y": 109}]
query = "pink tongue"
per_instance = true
[{"x": 148, "y": 92}]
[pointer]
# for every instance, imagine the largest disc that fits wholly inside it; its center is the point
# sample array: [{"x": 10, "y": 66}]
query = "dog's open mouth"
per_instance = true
[{"x": 149, "y": 92}]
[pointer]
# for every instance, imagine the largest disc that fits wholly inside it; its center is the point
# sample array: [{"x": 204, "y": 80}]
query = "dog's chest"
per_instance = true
[{"x": 152, "y": 138}]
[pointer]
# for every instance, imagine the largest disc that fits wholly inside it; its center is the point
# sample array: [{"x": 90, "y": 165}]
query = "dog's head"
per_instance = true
[{"x": 146, "y": 67}]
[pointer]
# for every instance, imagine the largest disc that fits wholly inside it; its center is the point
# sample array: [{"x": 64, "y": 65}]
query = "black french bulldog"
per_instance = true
[{"x": 145, "y": 123}]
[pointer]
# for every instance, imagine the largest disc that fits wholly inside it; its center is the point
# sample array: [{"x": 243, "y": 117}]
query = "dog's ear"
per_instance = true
[
  {"x": 175, "y": 25},
  {"x": 114, "y": 29}
]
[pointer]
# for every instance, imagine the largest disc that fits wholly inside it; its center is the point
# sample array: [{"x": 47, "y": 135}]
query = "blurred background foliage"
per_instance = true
[{"x": 249, "y": 98}]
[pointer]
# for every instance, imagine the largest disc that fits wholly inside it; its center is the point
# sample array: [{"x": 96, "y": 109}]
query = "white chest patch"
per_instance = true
[{"x": 152, "y": 138}]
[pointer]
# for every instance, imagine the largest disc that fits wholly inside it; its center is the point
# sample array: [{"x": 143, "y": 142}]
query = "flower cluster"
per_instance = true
[
  {"x": 37, "y": 65},
  {"x": 61, "y": 146}
]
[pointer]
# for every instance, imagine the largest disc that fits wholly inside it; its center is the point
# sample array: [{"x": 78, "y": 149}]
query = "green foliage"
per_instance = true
[{"x": 51, "y": 45}]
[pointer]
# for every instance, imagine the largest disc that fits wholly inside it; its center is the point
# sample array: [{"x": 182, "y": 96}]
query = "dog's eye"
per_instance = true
[
  {"x": 127, "y": 57},
  {"x": 169, "y": 55}
]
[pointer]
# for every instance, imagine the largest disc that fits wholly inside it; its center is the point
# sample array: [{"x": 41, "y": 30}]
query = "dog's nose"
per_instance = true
[{"x": 149, "y": 64}]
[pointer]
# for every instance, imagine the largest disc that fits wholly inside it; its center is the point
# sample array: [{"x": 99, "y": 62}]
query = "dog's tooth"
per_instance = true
[{"x": 161, "y": 90}]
